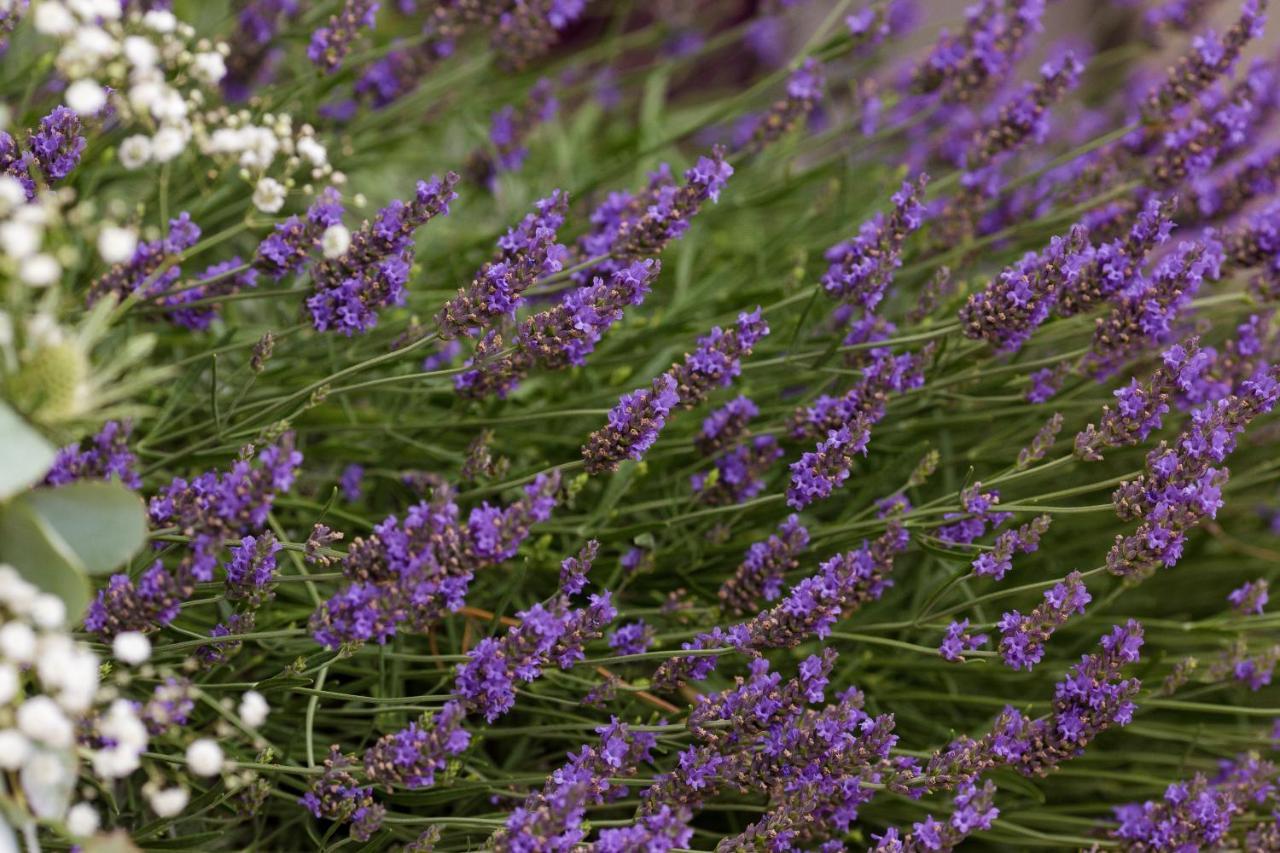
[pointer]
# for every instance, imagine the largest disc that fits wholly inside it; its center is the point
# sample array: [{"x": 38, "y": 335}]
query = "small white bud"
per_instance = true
[
  {"x": 204, "y": 757},
  {"x": 48, "y": 611},
  {"x": 135, "y": 151},
  {"x": 18, "y": 642},
  {"x": 53, "y": 19},
  {"x": 269, "y": 195},
  {"x": 253, "y": 709},
  {"x": 82, "y": 820},
  {"x": 86, "y": 97},
  {"x": 39, "y": 270},
  {"x": 168, "y": 803},
  {"x": 335, "y": 241},
  {"x": 14, "y": 749},
  {"x": 131, "y": 647},
  {"x": 40, "y": 719},
  {"x": 116, "y": 244}
]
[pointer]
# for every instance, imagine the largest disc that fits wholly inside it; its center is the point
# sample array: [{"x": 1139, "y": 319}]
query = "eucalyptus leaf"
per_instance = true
[
  {"x": 103, "y": 523},
  {"x": 25, "y": 456},
  {"x": 35, "y": 549}
]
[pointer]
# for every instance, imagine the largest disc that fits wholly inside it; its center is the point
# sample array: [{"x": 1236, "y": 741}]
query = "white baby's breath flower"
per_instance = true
[
  {"x": 17, "y": 642},
  {"x": 82, "y": 820},
  {"x": 86, "y": 97},
  {"x": 11, "y": 193},
  {"x": 160, "y": 21},
  {"x": 168, "y": 802},
  {"x": 14, "y": 749},
  {"x": 269, "y": 195},
  {"x": 128, "y": 738},
  {"x": 15, "y": 591},
  {"x": 39, "y": 270},
  {"x": 141, "y": 52},
  {"x": 131, "y": 647},
  {"x": 19, "y": 239},
  {"x": 53, "y": 19},
  {"x": 168, "y": 143},
  {"x": 135, "y": 151},
  {"x": 40, "y": 719},
  {"x": 335, "y": 241},
  {"x": 48, "y": 611},
  {"x": 204, "y": 757},
  {"x": 313, "y": 151},
  {"x": 253, "y": 709},
  {"x": 209, "y": 67},
  {"x": 116, "y": 244},
  {"x": 8, "y": 682}
]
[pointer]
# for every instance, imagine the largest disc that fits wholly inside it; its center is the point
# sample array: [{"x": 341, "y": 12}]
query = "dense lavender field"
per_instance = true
[{"x": 551, "y": 425}]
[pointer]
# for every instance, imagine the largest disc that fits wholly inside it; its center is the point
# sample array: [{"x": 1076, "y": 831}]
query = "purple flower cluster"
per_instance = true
[
  {"x": 106, "y": 457},
  {"x": 725, "y": 426},
  {"x": 625, "y": 226},
  {"x": 220, "y": 279},
  {"x": 555, "y": 632},
  {"x": 1040, "y": 443},
  {"x": 842, "y": 585},
  {"x": 820, "y": 471},
  {"x": 958, "y": 640},
  {"x": 1197, "y": 815},
  {"x": 337, "y": 795},
  {"x": 564, "y": 334},
  {"x": 634, "y": 423},
  {"x": 414, "y": 755},
  {"x": 58, "y": 144},
  {"x": 861, "y": 269},
  {"x": 417, "y": 570},
  {"x": 252, "y": 568},
  {"x": 526, "y": 30},
  {"x": 329, "y": 45},
  {"x": 509, "y": 131},
  {"x": 153, "y": 267},
  {"x": 210, "y": 510},
  {"x": 1022, "y": 540},
  {"x": 967, "y": 527},
  {"x": 1211, "y": 57},
  {"x": 1251, "y": 598},
  {"x": 762, "y": 570},
  {"x": 526, "y": 253},
  {"x": 1181, "y": 485},
  {"x": 633, "y": 427},
  {"x": 974, "y": 810},
  {"x": 962, "y": 67},
  {"x": 1024, "y": 117},
  {"x": 552, "y": 819},
  {"x": 372, "y": 273},
  {"x": 804, "y": 91},
  {"x": 632, "y": 638},
  {"x": 1140, "y": 407},
  {"x": 286, "y": 249},
  {"x": 738, "y": 474},
  {"x": 1023, "y": 637}
]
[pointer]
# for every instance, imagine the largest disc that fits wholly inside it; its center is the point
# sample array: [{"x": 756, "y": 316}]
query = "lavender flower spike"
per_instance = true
[
  {"x": 860, "y": 269},
  {"x": 58, "y": 144},
  {"x": 330, "y": 45},
  {"x": 633, "y": 425}
]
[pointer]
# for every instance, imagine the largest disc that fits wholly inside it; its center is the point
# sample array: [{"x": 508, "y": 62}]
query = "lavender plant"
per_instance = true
[{"x": 552, "y": 425}]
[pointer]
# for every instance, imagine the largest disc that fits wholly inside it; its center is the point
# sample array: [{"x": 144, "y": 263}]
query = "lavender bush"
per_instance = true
[{"x": 551, "y": 425}]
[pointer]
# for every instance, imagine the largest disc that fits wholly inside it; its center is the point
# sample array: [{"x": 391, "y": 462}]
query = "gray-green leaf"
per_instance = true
[
  {"x": 103, "y": 523},
  {"x": 25, "y": 456}
]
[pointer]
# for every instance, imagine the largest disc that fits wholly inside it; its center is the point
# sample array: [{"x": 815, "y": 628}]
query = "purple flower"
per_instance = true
[
  {"x": 1023, "y": 637},
  {"x": 220, "y": 279},
  {"x": 412, "y": 756},
  {"x": 958, "y": 641},
  {"x": 1210, "y": 58},
  {"x": 724, "y": 426},
  {"x": 351, "y": 482},
  {"x": 329, "y": 45},
  {"x": 509, "y": 130},
  {"x": 632, "y": 638},
  {"x": 963, "y": 66},
  {"x": 821, "y": 471},
  {"x": 58, "y": 144},
  {"x": 528, "y": 252},
  {"x": 1024, "y": 117},
  {"x": 1250, "y": 598},
  {"x": 738, "y": 474},
  {"x": 348, "y": 290},
  {"x": 252, "y": 567},
  {"x": 861, "y": 269},
  {"x": 804, "y": 91},
  {"x": 286, "y": 249},
  {"x": 107, "y": 457},
  {"x": 761, "y": 573},
  {"x": 152, "y": 266},
  {"x": 633, "y": 425},
  {"x": 1024, "y": 540},
  {"x": 336, "y": 795}
]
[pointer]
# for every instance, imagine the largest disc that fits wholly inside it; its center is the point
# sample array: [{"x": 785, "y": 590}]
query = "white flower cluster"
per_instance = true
[
  {"x": 164, "y": 81},
  {"x": 23, "y": 226},
  {"x": 51, "y": 694},
  {"x": 49, "y": 685}
]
